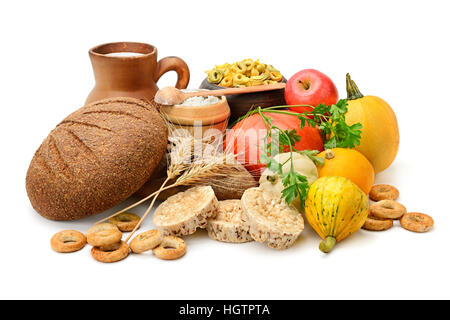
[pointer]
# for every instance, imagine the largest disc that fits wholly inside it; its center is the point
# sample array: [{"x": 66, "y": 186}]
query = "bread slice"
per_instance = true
[
  {"x": 271, "y": 220},
  {"x": 184, "y": 212},
  {"x": 228, "y": 225}
]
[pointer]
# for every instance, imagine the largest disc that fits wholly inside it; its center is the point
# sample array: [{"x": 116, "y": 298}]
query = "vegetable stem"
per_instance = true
[
  {"x": 352, "y": 89},
  {"x": 328, "y": 244},
  {"x": 329, "y": 154}
]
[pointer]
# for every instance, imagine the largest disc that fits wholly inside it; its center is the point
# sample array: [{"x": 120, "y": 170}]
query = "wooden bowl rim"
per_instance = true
[{"x": 215, "y": 86}]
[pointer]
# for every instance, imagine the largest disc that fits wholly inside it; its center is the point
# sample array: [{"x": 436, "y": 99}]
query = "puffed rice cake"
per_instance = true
[
  {"x": 271, "y": 220},
  {"x": 228, "y": 225},
  {"x": 184, "y": 212}
]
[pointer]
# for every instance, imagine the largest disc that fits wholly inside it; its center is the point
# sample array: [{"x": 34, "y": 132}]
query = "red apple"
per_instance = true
[{"x": 310, "y": 87}]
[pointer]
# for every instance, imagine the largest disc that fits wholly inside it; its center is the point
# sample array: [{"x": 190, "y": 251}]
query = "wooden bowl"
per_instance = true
[
  {"x": 240, "y": 104},
  {"x": 211, "y": 119}
]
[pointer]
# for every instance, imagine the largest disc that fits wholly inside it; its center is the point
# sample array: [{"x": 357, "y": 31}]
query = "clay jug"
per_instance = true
[{"x": 131, "y": 69}]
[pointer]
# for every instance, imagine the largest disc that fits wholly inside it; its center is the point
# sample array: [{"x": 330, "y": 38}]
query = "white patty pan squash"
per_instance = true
[{"x": 271, "y": 183}]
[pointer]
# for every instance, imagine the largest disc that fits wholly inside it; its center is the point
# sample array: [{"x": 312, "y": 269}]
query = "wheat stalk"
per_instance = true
[
  {"x": 178, "y": 157},
  {"x": 205, "y": 171},
  {"x": 190, "y": 171},
  {"x": 197, "y": 173},
  {"x": 146, "y": 212}
]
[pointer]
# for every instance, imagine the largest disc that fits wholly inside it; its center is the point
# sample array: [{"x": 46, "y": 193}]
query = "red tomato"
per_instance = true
[{"x": 246, "y": 138}]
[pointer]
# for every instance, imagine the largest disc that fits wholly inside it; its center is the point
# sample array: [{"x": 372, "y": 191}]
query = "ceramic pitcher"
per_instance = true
[{"x": 134, "y": 74}]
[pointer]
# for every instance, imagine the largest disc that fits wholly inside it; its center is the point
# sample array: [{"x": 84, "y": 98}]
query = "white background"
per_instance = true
[{"x": 398, "y": 50}]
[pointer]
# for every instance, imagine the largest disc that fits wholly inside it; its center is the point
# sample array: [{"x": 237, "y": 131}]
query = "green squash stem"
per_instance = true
[
  {"x": 352, "y": 89},
  {"x": 328, "y": 244}
]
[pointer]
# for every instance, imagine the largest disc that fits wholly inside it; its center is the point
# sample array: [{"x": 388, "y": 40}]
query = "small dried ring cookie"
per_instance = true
[
  {"x": 383, "y": 192},
  {"x": 125, "y": 221},
  {"x": 373, "y": 223},
  {"x": 387, "y": 209},
  {"x": 101, "y": 227},
  {"x": 111, "y": 256},
  {"x": 104, "y": 238},
  {"x": 170, "y": 248},
  {"x": 146, "y": 241},
  {"x": 103, "y": 234},
  {"x": 416, "y": 222},
  {"x": 110, "y": 247},
  {"x": 68, "y": 241}
]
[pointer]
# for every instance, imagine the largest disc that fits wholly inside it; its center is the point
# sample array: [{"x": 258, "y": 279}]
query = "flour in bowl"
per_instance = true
[{"x": 200, "y": 101}]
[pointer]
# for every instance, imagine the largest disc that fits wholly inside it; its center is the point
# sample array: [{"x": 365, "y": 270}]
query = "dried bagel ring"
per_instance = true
[
  {"x": 388, "y": 209},
  {"x": 111, "y": 256},
  {"x": 171, "y": 248},
  {"x": 125, "y": 221},
  {"x": 383, "y": 192},
  {"x": 68, "y": 241},
  {"x": 103, "y": 234},
  {"x": 110, "y": 247},
  {"x": 416, "y": 222},
  {"x": 376, "y": 224},
  {"x": 146, "y": 241},
  {"x": 101, "y": 227}
]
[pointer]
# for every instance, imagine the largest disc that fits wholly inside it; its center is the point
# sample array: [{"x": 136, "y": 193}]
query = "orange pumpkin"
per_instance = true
[
  {"x": 380, "y": 136},
  {"x": 348, "y": 163}
]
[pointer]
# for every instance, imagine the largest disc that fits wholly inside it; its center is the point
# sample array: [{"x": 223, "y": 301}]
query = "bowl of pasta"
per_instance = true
[{"x": 246, "y": 73}]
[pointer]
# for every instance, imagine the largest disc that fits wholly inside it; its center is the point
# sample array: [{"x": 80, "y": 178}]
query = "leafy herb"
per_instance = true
[
  {"x": 340, "y": 134},
  {"x": 295, "y": 185},
  {"x": 336, "y": 133}
]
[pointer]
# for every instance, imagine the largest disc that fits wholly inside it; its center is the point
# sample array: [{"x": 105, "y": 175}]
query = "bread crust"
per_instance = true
[{"x": 95, "y": 158}]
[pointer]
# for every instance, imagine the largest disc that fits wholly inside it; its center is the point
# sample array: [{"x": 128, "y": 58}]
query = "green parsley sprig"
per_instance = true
[{"x": 335, "y": 132}]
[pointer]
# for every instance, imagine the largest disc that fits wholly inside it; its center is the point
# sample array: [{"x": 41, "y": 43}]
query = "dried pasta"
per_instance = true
[{"x": 244, "y": 73}]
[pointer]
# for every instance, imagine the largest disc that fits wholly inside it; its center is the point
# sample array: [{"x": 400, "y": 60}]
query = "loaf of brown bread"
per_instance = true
[{"x": 96, "y": 158}]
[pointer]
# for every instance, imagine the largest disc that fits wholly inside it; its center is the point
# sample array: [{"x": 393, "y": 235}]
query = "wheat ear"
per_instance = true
[
  {"x": 197, "y": 173},
  {"x": 176, "y": 166}
]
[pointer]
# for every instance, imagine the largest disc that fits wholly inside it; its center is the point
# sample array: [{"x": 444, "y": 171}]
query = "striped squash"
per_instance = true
[{"x": 335, "y": 207}]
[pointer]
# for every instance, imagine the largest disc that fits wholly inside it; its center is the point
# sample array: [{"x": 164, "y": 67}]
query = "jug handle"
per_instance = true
[{"x": 174, "y": 64}]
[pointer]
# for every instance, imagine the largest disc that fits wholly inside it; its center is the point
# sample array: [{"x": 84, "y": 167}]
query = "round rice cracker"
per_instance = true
[
  {"x": 228, "y": 225},
  {"x": 184, "y": 212},
  {"x": 271, "y": 220}
]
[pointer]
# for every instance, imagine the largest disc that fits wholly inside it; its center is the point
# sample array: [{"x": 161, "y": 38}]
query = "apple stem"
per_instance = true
[
  {"x": 305, "y": 84},
  {"x": 352, "y": 89}
]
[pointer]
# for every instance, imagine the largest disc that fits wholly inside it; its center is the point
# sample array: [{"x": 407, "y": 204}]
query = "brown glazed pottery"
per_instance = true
[
  {"x": 131, "y": 75},
  {"x": 211, "y": 119},
  {"x": 240, "y": 104}
]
